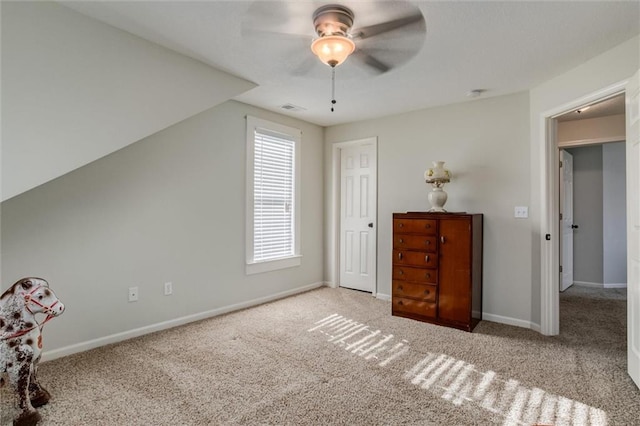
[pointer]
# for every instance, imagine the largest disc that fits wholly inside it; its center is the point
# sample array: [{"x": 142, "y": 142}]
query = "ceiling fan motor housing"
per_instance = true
[{"x": 332, "y": 19}]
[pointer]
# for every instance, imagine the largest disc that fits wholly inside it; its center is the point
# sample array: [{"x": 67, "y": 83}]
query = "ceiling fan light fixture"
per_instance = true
[{"x": 333, "y": 49}]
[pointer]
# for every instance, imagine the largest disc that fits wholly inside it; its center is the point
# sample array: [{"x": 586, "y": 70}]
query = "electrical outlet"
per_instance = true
[
  {"x": 168, "y": 289},
  {"x": 133, "y": 294},
  {"x": 521, "y": 212}
]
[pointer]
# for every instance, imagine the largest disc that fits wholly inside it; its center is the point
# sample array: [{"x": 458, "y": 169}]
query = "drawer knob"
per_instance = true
[
  {"x": 401, "y": 241},
  {"x": 400, "y": 302},
  {"x": 442, "y": 239},
  {"x": 400, "y": 288},
  {"x": 428, "y": 225},
  {"x": 427, "y": 275},
  {"x": 400, "y": 272},
  {"x": 426, "y": 292},
  {"x": 427, "y": 242},
  {"x": 400, "y": 255},
  {"x": 426, "y": 258},
  {"x": 400, "y": 225}
]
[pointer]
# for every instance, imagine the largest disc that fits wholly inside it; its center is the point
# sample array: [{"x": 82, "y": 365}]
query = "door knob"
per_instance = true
[
  {"x": 370, "y": 225},
  {"x": 574, "y": 226}
]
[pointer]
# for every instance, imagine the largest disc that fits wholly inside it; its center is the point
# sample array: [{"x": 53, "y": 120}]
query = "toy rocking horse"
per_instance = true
[{"x": 21, "y": 342}]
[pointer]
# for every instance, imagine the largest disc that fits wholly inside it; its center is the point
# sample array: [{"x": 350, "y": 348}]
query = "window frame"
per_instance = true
[{"x": 253, "y": 266}]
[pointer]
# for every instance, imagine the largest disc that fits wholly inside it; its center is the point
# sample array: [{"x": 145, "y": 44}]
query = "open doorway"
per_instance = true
[
  {"x": 592, "y": 192},
  {"x": 592, "y": 222}
]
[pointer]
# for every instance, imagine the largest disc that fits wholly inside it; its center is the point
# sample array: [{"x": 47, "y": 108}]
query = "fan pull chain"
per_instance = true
[{"x": 333, "y": 87}]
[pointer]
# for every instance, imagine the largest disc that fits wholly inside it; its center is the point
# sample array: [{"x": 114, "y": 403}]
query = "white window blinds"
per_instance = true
[{"x": 273, "y": 195}]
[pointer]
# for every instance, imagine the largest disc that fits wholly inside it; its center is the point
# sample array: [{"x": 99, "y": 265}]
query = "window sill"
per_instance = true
[{"x": 273, "y": 265}]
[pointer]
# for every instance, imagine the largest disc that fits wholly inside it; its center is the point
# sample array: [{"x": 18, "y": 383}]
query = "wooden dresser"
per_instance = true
[{"x": 437, "y": 268}]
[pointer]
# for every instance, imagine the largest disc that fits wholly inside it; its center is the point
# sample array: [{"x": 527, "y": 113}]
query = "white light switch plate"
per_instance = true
[{"x": 521, "y": 212}]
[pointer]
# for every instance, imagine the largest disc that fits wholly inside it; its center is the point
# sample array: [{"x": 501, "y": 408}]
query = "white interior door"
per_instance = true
[
  {"x": 566, "y": 219},
  {"x": 358, "y": 225},
  {"x": 633, "y": 227}
]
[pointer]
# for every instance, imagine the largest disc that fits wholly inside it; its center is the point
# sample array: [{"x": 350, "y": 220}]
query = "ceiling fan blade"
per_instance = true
[
  {"x": 371, "y": 61},
  {"x": 385, "y": 27},
  {"x": 256, "y": 33},
  {"x": 306, "y": 66}
]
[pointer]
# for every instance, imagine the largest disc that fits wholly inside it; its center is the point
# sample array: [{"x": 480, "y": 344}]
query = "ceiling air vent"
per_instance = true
[{"x": 292, "y": 107}]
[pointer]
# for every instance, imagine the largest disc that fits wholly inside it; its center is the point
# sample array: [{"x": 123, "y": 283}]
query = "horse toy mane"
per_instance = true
[{"x": 21, "y": 342}]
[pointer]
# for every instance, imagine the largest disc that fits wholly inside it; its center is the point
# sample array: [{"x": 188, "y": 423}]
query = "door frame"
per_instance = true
[
  {"x": 333, "y": 254},
  {"x": 550, "y": 208}
]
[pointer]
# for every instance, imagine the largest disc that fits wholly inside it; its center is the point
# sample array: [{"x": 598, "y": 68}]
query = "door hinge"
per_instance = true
[
  {"x": 560, "y": 268},
  {"x": 560, "y": 164},
  {"x": 560, "y": 216}
]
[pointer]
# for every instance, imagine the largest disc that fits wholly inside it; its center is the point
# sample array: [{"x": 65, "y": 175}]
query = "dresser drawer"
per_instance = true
[
  {"x": 423, "y": 292},
  {"x": 415, "y": 258},
  {"x": 419, "y": 242},
  {"x": 420, "y": 275},
  {"x": 415, "y": 226},
  {"x": 414, "y": 307}
]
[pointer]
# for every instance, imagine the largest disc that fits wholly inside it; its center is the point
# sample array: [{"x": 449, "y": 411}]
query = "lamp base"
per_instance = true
[{"x": 437, "y": 198}]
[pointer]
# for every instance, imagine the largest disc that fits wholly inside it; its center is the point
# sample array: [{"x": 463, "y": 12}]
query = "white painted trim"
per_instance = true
[
  {"x": 593, "y": 141},
  {"x": 384, "y": 297},
  {"x": 550, "y": 209},
  {"x": 273, "y": 265},
  {"x": 137, "y": 332},
  {"x": 615, "y": 285},
  {"x": 509, "y": 321},
  {"x": 588, "y": 284},
  {"x": 536, "y": 327},
  {"x": 334, "y": 211},
  {"x": 600, "y": 285}
]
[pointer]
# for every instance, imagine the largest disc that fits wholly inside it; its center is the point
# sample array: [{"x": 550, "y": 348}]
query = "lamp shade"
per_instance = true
[{"x": 333, "y": 49}]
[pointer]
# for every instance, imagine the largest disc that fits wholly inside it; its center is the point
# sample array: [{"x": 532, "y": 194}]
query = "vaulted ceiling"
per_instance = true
[
  {"x": 83, "y": 79},
  {"x": 497, "y": 46}
]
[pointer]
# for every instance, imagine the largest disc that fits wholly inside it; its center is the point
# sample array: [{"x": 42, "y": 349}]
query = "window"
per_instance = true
[{"x": 273, "y": 184}]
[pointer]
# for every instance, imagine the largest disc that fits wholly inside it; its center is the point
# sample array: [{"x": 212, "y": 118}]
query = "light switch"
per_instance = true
[{"x": 521, "y": 212}]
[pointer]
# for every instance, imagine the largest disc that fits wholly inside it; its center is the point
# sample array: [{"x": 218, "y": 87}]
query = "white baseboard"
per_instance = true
[
  {"x": 509, "y": 321},
  {"x": 599, "y": 285},
  {"x": 615, "y": 285},
  {"x": 137, "y": 332},
  {"x": 383, "y": 296},
  {"x": 588, "y": 284}
]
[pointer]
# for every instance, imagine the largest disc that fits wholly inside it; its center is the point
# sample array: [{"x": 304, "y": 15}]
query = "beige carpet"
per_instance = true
[{"x": 338, "y": 357}]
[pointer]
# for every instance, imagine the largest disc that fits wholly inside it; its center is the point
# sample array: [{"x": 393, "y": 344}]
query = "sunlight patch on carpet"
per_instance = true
[
  {"x": 359, "y": 339},
  {"x": 458, "y": 381}
]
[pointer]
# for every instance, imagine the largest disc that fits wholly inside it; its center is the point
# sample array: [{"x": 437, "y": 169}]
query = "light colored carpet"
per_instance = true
[{"x": 335, "y": 356}]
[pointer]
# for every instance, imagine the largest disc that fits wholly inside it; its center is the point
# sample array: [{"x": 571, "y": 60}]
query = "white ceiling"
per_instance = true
[
  {"x": 500, "y": 47},
  {"x": 604, "y": 108}
]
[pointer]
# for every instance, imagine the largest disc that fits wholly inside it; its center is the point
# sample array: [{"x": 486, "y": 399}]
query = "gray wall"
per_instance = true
[
  {"x": 167, "y": 208},
  {"x": 485, "y": 144},
  {"x": 84, "y": 80},
  {"x": 587, "y": 214},
  {"x": 614, "y": 214}
]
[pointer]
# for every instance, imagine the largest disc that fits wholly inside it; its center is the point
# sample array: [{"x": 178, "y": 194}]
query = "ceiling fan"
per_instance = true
[
  {"x": 392, "y": 33},
  {"x": 380, "y": 45}
]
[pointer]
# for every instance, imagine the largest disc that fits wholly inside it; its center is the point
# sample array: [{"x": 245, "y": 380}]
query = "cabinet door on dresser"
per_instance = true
[{"x": 454, "y": 297}]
